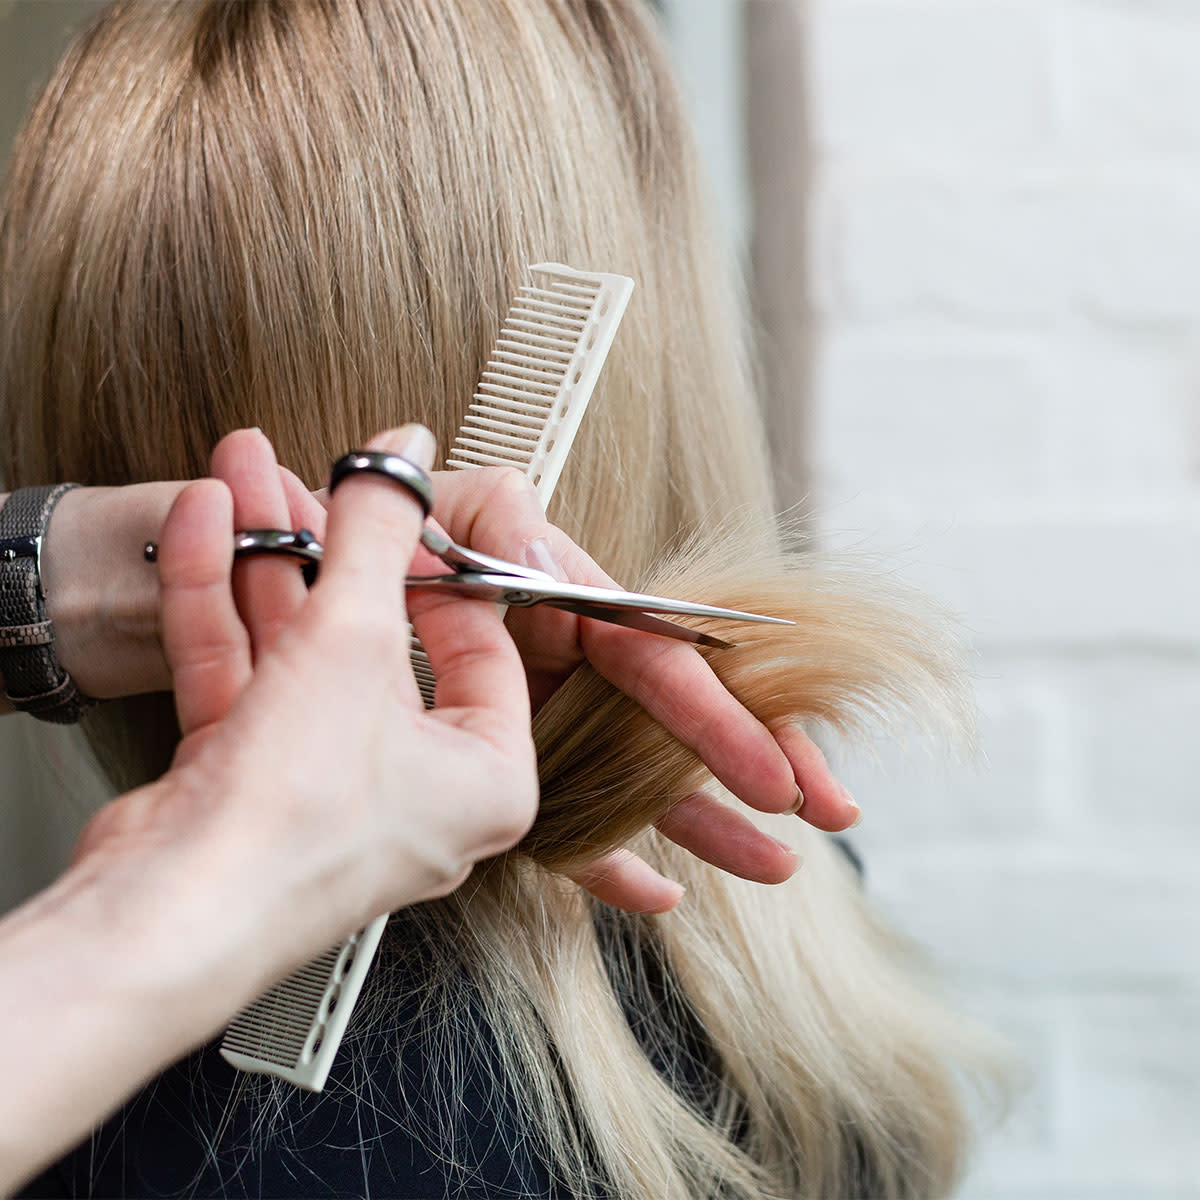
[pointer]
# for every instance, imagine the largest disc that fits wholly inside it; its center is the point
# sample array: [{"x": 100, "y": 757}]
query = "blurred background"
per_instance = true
[{"x": 971, "y": 232}]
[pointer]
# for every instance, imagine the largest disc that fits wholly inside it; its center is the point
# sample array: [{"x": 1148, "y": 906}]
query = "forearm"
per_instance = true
[
  {"x": 100, "y": 595},
  {"x": 107, "y": 977}
]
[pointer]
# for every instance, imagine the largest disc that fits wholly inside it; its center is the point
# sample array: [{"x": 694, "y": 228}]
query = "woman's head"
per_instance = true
[{"x": 310, "y": 216}]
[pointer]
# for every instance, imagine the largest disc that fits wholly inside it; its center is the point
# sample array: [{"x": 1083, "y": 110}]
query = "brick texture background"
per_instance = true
[{"x": 1006, "y": 247}]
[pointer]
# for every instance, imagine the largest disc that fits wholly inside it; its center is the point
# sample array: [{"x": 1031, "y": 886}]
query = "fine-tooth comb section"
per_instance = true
[
  {"x": 295, "y": 1028},
  {"x": 526, "y": 410}
]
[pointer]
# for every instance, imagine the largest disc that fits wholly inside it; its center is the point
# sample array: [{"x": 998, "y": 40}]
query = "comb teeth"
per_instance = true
[
  {"x": 295, "y": 1028},
  {"x": 423, "y": 672},
  {"x": 551, "y": 346},
  {"x": 284, "y": 1029}
]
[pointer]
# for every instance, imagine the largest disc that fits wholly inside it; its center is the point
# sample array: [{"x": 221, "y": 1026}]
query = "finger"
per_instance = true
[
  {"x": 497, "y": 510},
  {"x": 205, "y": 643},
  {"x": 727, "y": 839},
  {"x": 268, "y": 590},
  {"x": 306, "y": 509},
  {"x": 475, "y": 663},
  {"x": 373, "y": 528},
  {"x": 827, "y": 804},
  {"x": 679, "y": 690},
  {"x": 495, "y": 507},
  {"x": 626, "y": 881}
]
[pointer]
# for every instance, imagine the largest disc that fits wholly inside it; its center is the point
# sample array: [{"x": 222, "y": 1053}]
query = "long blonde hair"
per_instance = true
[{"x": 309, "y": 216}]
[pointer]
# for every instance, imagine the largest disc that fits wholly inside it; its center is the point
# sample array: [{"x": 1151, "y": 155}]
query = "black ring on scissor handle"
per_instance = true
[
  {"x": 299, "y": 543},
  {"x": 391, "y": 466}
]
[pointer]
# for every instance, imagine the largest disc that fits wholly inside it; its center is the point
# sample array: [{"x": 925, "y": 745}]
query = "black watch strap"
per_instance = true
[{"x": 33, "y": 679}]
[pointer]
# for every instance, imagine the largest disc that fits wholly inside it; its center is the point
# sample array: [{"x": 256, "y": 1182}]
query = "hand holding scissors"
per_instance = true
[{"x": 767, "y": 769}]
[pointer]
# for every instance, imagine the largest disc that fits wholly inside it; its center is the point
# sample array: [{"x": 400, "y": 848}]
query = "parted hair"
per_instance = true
[{"x": 309, "y": 215}]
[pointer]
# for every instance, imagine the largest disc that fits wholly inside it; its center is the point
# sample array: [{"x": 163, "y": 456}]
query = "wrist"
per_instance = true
[
  {"x": 101, "y": 596},
  {"x": 122, "y": 966},
  {"x": 174, "y": 877}
]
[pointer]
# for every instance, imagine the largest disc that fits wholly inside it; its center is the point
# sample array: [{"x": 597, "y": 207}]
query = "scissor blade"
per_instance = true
[
  {"x": 524, "y": 592},
  {"x": 503, "y": 589},
  {"x": 564, "y": 594},
  {"x": 635, "y": 618},
  {"x": 477, "y": 584}
]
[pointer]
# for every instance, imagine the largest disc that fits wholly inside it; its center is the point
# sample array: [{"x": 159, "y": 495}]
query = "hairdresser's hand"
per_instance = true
[
  {"x": 310, "y": 777},
  {"x": 497, "y": 511},
  {"x": 312, "y": 791}
]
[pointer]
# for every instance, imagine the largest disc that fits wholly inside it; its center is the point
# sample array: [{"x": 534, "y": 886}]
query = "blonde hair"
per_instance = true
[{"x": 310, "y": 216}]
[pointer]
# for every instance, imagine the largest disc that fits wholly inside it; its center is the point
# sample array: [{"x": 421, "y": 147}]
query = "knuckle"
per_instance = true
[
  {"x": 501, "y": 482},
  {"x": 513, "y": 812},
  {"x": 449, "y": 880},
  {"x": 510, "y": 827},
  {"x": 208, "y": 650},
  {"x": 508, "y": 505}
]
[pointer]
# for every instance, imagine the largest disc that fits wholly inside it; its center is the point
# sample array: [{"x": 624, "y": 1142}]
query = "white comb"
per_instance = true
[
  {"x": 530, "y": 401},
  {"x": 532, "y": 394}
]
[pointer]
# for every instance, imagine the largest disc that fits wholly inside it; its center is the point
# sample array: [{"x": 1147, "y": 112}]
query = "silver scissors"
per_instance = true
[
  {"x": 476, "y": 574},
  {"x": 480, "y": 575}
]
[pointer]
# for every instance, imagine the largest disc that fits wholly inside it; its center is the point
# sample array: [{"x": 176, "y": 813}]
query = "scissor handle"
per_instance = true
[{"x": 298, "y": 543}]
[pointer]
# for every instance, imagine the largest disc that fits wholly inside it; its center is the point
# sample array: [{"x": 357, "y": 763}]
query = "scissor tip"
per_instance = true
[{"x": 757, "y": 618}]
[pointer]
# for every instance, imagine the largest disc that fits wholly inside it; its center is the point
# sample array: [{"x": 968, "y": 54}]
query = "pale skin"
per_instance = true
[{"x": 287, "y": 818}]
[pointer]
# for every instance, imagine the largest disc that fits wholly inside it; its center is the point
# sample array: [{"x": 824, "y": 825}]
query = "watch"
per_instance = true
[{"x": 34, "y": 680}]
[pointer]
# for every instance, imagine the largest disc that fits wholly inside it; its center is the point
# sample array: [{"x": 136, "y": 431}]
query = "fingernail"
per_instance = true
[
  {"x": 797, "y": 804},
  {"x": 791, "y": 850},
  {"x": 538, "y": 554},
  {"x": 850, "y": 800},
  {"x": 414, "y": 442}
]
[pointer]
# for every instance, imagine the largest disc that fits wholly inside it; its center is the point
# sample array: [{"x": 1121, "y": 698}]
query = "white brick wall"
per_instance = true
[{"x": 1006, "y": 238}]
